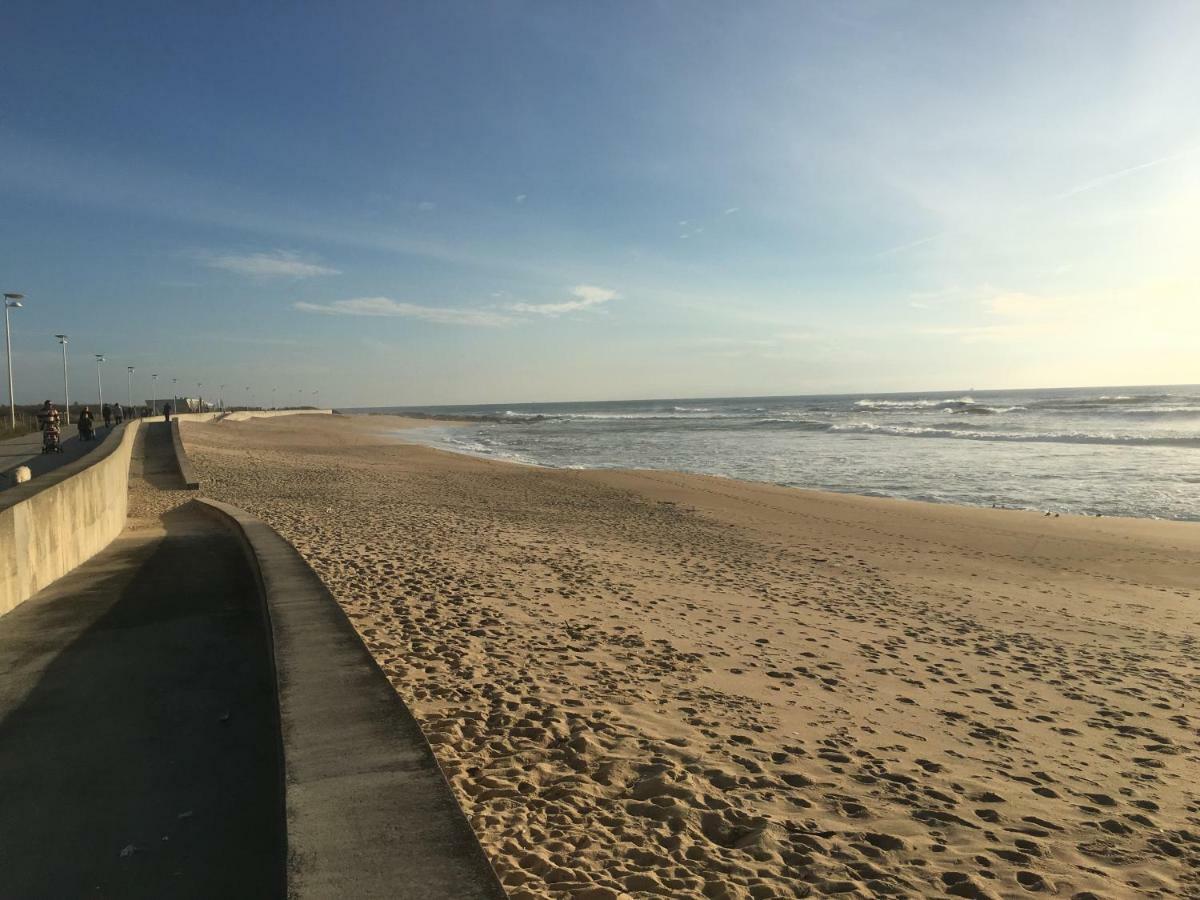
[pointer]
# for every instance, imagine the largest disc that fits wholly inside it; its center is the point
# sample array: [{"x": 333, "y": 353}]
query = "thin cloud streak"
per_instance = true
[
  {"x": 386, "y": 307},
  {"x": 1090, "y": 185},
  {"x": 586, "y": 296},
  {"x": 277, "y": 264},
  {"x": 1122, "y": 173}
]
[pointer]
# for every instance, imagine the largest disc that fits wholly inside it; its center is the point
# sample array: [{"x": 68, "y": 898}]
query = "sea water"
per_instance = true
[{"x": 1132, "y": 451}]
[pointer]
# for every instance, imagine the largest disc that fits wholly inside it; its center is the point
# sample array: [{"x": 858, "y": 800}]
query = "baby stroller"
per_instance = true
[
  {"x": 52, "y": 440},
  {"x": 51, "y": 435}
]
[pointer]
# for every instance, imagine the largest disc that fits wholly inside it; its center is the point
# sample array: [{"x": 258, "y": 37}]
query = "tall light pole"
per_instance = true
[
  {"x": 221, "y": 397},
  {"x": 247, "y": 396},
  {"x": 199, "y": 396},
  {"x": 11, "y": 301},
  {"x": 62, "y": 339},
  {"x": 175, "y": 395},
  {"x": 99, "y": 386},
  {"x": 129, "y": 370},
  {"x": 154, "y": 390}
]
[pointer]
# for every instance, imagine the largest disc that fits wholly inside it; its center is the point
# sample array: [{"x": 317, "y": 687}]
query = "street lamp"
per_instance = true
[
  {"x": 221, "y": 397},
  {"x": 99, "y": 386},
  {"x": 154, "y": 399},
  {"x": 175, "y": 395},
  {"x": 247, "y": 396},
  {"x": 62, "y": 339},
  {"x": 199, "y": 396},
  {"x": 11, "y": 301},
  {"x": 129, "y": 370}
]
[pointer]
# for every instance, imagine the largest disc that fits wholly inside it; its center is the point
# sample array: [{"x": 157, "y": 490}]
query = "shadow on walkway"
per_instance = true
[
  {"x": 27, "y": 451},
  {"x": 139, "y": 750}
]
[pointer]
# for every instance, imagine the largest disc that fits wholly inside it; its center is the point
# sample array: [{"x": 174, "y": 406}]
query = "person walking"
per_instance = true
[
  {"x": 106, "y": 412},
  {"x": 118, "y": 413},
  {"x": 167, "y": 412},
  {"x": 86, "y": 425}
]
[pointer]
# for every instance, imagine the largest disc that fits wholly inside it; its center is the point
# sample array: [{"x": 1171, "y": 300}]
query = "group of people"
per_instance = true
[{"x": 48, "y": 421}]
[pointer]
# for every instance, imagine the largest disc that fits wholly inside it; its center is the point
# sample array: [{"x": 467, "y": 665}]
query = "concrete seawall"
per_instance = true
[
  {"x": 369, "y": 812},
  {"x": 190, "y": 482},
  {"x": 241, "y": 415},
  {"x": 52, "y": 524}
]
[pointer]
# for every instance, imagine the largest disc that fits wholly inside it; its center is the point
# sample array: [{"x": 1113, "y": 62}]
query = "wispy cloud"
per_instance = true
[
  {"x": 586, "y": 296},
  {"x": 1122, "y": 173},
  {"x": 521, "y": 198},
  {"x": 1027, "y": 208},
  {"x": 389, "y": 308},
  {"x": 276, "y": 264},
  {"x": 426, "y": 206}
]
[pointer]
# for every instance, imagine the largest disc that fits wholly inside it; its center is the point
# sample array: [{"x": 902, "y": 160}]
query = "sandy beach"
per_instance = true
[{"x": 654, "y": 684}]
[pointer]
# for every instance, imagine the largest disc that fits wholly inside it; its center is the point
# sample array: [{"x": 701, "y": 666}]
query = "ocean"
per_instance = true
[{"x": 1131, "y": 451}]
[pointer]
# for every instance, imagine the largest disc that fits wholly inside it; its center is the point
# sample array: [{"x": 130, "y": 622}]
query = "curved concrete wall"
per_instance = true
[
  {"x": 369, "y": 811},
  {"x": 242, "y": 415},
  {"x": 50, "y": 525},
  {"x": 190, "y": 482}
]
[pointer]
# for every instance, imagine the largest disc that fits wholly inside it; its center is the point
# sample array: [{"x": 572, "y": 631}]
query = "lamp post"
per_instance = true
[
  {"x": 129, "y": 370},
  {"x": 199, "y": 396},
  {"x": 247, "y": 396},
  {"x": 99, "y": 386},
  {"x": 62, "y": 339},
  {"x": 221, "y": 397},
  {"x": 154, "y": 391},
  {"x": 175, "y": 395},
  {"x": 11, "y": 301}
]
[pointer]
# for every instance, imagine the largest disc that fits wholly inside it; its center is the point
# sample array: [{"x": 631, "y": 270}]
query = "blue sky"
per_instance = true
[{"x": 444, "y": 202}]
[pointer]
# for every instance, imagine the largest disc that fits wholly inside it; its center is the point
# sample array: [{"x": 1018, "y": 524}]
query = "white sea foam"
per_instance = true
[
  {"x": 1074, "y": 437},
  {"x": 913, "y": 404}
]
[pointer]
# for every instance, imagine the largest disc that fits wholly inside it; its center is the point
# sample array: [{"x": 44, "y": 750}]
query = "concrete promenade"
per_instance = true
[
  {"x": 139, "y": 747},
  {"x": 27, "y": 451}
]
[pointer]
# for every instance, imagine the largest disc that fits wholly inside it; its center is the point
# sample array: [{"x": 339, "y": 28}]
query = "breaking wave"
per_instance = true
[{"x": 1072, "y": 437}]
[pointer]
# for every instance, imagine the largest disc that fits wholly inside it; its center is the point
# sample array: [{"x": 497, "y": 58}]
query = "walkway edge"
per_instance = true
[
  {"x": 190, "y": 481},
  {"x": 369, "y": 811}
]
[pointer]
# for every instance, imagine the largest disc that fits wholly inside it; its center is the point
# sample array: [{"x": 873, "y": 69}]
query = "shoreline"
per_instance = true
[
  {"x": 647, "y": 683},
  {"x": 412, "y": 423}
]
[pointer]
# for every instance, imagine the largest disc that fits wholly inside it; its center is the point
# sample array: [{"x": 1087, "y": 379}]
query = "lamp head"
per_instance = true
[
  {"x": 62, "y": 338},
  {"x": 11, "y": 304}
]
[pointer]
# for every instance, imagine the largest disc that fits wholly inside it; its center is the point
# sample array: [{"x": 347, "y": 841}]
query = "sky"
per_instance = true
[{"x": 429, "y": 203}]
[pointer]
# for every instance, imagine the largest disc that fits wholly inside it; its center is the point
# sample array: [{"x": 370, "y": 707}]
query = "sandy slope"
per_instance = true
[{"x": 666, "y": 685}]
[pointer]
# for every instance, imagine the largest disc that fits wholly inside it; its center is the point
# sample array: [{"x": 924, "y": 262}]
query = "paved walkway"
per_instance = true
[
  {"x": 27, "y": 451},
  {"x": 139, "y": 755}
]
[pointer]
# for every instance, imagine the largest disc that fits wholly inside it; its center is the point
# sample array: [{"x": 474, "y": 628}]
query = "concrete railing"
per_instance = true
[
  {"x": 241, "y": 415},
  {"x": 190, "y": 482},
  {"x": 50, "y": 525},
  {"x": 369, "y": 811}
]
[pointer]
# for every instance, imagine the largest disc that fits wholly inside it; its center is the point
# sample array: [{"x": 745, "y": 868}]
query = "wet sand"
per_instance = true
[{"x": 653, "y": 684}]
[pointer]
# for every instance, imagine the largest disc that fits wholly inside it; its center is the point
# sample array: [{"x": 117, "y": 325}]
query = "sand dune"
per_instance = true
[{"x": 650, "y": 684}]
